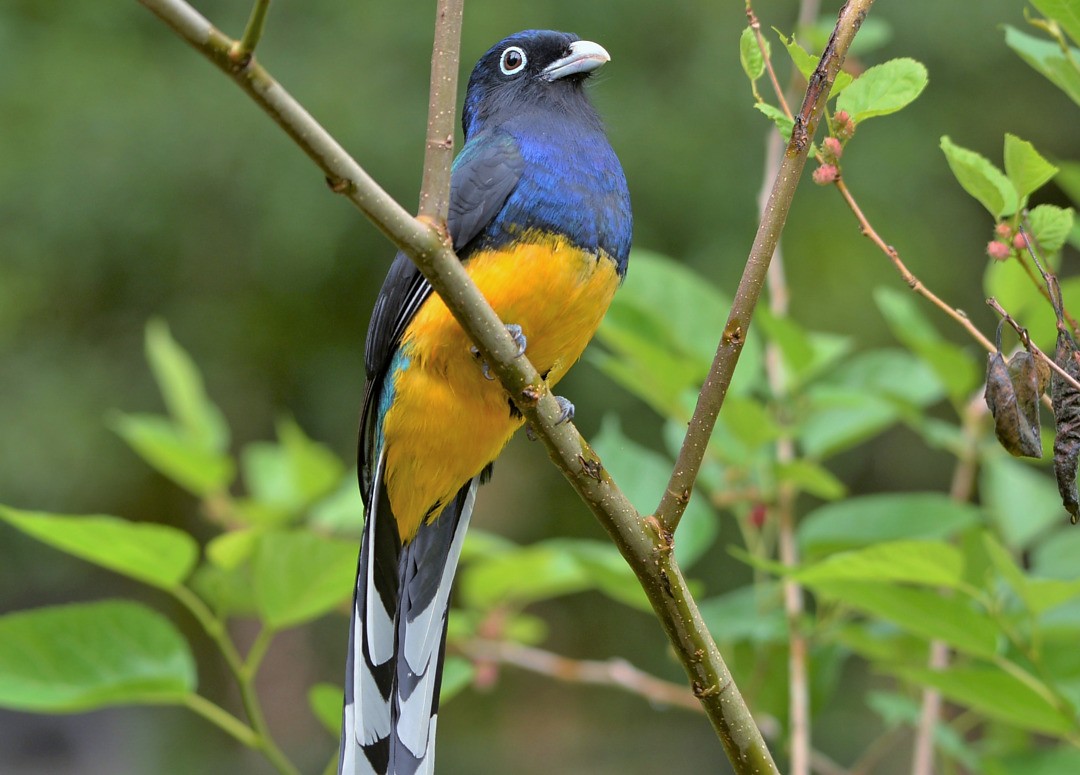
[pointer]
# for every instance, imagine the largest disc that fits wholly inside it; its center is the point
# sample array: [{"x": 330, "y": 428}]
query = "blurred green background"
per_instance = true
[{"x": 136, "y": 181}]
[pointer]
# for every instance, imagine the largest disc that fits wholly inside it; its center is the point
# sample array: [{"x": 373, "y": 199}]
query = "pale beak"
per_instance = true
[{"x": 584, "y": 57}]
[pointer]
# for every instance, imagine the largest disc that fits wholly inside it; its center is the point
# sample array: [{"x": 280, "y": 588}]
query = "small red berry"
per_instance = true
[
  {"x": 843, "y": 126},
  {"x": 826, "y": 174},
  {"x": 832, "y": 149},
  {"x": 1020, "y": 241},
  {"x": 998, "y": 251},
  {"x": 1003, "y": 230},
  {"x": 758, "y": 512}
]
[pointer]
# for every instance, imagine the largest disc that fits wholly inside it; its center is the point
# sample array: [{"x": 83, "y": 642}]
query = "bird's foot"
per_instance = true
[
  {"x": 566, "y": 414},
  {"x": 519, "y": 339}
]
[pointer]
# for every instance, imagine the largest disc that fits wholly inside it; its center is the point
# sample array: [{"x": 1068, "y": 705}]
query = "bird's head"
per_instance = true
[{"x": 533, "y": 69}]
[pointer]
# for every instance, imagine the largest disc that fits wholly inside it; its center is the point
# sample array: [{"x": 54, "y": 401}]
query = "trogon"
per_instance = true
[{"x": 540, "y": 217}]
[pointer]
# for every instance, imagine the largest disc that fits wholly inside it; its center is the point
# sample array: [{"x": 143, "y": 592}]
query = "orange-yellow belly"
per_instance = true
[{"x": 447, "y": 421}]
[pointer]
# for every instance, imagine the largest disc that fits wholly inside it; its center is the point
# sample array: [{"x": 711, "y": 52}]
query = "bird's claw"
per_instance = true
[
  {"x": 519, "y": 339},
  {"x": 566, "y": 414}
]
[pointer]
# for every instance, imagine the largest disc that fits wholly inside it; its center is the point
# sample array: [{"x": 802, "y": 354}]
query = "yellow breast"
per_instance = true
[{"x": 448, "y": 421}]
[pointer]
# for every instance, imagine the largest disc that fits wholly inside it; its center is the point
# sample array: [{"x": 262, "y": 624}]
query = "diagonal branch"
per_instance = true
[
  {"x": 711, "y": 398},
  {"x": 646, "y": 544}
]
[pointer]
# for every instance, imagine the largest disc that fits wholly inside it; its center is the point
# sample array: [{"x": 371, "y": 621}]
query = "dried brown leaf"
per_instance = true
[
  {"x": 1012, "y": 393},
  {"x": 1066, "y": 402}
]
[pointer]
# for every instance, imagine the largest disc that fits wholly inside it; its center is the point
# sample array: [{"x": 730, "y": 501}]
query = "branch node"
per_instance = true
[
  {"x": 733, "y": 335},
  {"x": 667, "y": 538},
  {"x": 340, "y": 185},
  {"x": 701, "y": 692},
  {"x": 530, "y": 395},
  {"x": 592, "y": 468},
  {"x": 239, "y": 57}
]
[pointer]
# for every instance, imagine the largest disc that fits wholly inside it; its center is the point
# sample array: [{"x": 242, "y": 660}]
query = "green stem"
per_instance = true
[
  {"x": 242, "y": 50},
  {"x": 257, "y": 652},
  {"x": 220, "y": 717},
  {"x": 244, "y": 673}
]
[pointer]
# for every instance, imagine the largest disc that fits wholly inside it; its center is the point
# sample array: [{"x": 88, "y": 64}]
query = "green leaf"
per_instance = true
[
  {"x": 883, "y": 89},
  {"x": 927, "y": 563},
  {"x": 165, "y": 446},
  {"x": 289, "y": 476},
  {"x": 892, "y": 373},
  {"x": 980, "y": 178},
  {"x": 662, "y": 329},
  {"x": 522, "y": 576},
  {"x": 1064, "y": 12},
  {"x": 896, "y": 709},
  {"x": 158, "y": 555},
  {"x": 783, "y": 122},
  {"x": 1025, "y": 167},
  {"x": 995, "y": 694},
  {"x": 1053, "y": 761},
  {"x": 1050, "y": 226},
  {"x": 806, "y": 354},
  {"x": 954, "y": 366},
  {"x": 228, "y": 592},
  {"x": 457, "y": 673},
  {"x": 229, "y": 550},
  {"x": 924, "y": 612},
  {"x": 181, "y": 386},
  {"x": 607, "y": 571},
  {"x": 326, "y": 701},
  {"x": 1047, "y": 58},
  {"x": 643, "y": 474},
  {"x": 1056, "y": 554},
  {"x": 79, "y": 657},
  {"x": 806, "y": 63},
  {"x": 753, "y": 63},
  {"x": 1021, "y": 500},
  {"x": 298, "y": 576},
  {"x": 839, "y": 418},
  {"x": 342, "y": 511},
  {"x": 809, "y": 477},
  {"x": 749, "y": 421},
  {"x": 752, "y": 613},
  {"x": 870, "y": 519}
]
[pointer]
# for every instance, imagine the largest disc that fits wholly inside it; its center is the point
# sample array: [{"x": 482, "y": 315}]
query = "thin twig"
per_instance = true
[
  {"x": 799, "y": 738},
  {"x": 244, "y": 48},
  {"x": 215, "y": 628},
  {"x": 677, "y": 494},
  {"x": 755, "y": 25},
  {"x": 993, "y": 304},
  {"x": 612, "y": 672},
  {"x": 912, "y": 281}
]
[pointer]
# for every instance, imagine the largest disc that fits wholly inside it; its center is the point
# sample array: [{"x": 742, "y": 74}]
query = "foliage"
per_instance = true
[{"x": 889, "y": 572}]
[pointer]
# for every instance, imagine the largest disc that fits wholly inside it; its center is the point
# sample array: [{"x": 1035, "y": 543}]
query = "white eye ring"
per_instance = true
[{"x": 512, "y": 61}]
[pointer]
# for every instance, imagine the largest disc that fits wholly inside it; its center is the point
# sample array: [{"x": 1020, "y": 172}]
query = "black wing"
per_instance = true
[{"x": 485, "y": 173}]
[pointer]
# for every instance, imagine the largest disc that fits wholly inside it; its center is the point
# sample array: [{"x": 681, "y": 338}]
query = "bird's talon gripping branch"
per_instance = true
[
  {"x": 518, "y": 336},
  {"x": 566, "y": 410},
  {"x": 519, "y": 339}
]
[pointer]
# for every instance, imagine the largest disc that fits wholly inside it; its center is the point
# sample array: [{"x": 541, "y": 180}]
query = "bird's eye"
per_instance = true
[{"x": 512, "y": 61}]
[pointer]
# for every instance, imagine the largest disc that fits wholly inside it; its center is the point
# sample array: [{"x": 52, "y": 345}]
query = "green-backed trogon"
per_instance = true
[{"x": 540, "y": 217}]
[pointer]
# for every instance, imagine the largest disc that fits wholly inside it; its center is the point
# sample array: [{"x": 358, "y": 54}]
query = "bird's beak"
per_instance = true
[{"x": 584, "y": 57}]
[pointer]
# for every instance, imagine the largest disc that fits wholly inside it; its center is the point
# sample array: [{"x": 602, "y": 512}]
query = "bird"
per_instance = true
[{"x": 540, "y": 217}]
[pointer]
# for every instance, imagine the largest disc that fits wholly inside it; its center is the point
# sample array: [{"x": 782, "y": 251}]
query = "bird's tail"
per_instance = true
[{"x": 397, "y": 638}]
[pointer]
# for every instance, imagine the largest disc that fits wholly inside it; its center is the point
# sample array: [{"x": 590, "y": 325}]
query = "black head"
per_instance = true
[{"x": 532, "y": 69}]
